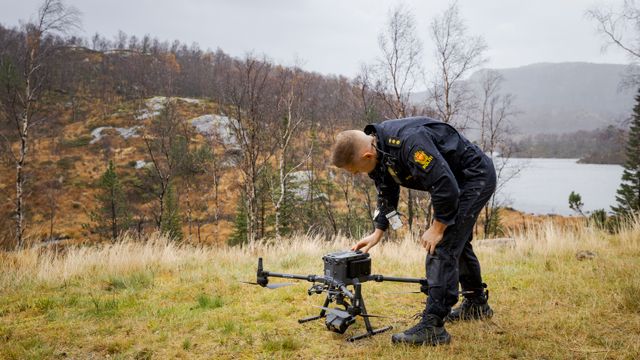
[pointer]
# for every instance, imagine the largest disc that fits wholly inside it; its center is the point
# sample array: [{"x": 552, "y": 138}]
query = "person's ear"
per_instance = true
[{"x": 368, "y": 155}]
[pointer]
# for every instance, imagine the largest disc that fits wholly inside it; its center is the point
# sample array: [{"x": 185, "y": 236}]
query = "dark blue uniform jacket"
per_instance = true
[{"x": 423, "y": 154}]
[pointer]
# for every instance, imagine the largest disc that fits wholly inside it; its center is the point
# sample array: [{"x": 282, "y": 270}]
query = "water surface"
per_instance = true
[{"x": 543, "y": 185}]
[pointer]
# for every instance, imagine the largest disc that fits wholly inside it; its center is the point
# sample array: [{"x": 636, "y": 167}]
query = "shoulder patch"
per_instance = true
[
  {"x": 422, "y": 158},
  {"x": 393, "y": 141}
]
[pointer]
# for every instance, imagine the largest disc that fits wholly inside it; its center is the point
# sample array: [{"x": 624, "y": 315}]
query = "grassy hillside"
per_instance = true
[
  {"x": 65, "y": 171},
  {"x": 75, "y": 154},
  {"x": 158, "y": 300}
]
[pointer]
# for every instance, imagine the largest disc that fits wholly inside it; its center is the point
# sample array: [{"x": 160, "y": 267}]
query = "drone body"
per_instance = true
[
  {"x": 341, "y": 269},
  {"x": 347, "y": 266}
]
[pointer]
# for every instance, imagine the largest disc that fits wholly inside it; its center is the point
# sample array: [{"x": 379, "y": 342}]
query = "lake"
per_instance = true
[{"x": 543, "y": 185}]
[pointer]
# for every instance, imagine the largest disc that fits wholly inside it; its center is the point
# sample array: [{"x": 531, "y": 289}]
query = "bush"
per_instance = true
[
  {"x": 67, "y": 163},
  {"x": 81, "y": 141},
  {"x": 598, "y": 218}
]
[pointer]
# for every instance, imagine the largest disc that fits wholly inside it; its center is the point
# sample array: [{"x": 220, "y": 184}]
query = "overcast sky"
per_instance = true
[{"x": 335, "y": 36}]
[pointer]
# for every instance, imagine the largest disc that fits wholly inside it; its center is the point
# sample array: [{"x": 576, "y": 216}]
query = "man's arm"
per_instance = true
[
  {"x": 428, "y": 167},
  {"x": 369, "y": 241},
  {"x": 388, "y": 196}
]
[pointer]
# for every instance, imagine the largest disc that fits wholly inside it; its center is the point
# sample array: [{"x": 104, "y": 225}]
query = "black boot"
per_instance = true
[
  {"x": 474, "y": 307},
  {"x": 429, "y": 331}
]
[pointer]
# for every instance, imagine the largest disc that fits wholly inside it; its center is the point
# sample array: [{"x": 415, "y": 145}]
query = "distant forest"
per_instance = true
[{"x": 600, "y": 146}]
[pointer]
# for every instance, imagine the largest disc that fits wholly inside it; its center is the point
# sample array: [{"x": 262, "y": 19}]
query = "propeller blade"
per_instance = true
[
  {"x": 269, "y": 286},
  {"x": 278, "y": 285},
  {"x": 343, "y": 313}
]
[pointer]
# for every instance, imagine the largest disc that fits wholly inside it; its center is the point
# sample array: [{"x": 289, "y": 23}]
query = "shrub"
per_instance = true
[{"x": 81, "y": 141}]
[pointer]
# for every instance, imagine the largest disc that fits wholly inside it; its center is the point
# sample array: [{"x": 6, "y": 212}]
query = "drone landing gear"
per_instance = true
[
  {"x": 339, "y": 320},
  {"x": 369, "y": 333},
  {"x": 323, "y": 313},
  {"x": 370, "y": 330}
]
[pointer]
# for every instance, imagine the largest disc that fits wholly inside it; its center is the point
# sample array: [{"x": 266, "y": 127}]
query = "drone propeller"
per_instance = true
[
  {"x": 345, "y": 314},
  {"x": 269, "y": 286}
]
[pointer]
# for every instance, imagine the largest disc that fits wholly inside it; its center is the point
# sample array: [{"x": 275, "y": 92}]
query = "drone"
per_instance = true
[{"x": 342, "y": 269}]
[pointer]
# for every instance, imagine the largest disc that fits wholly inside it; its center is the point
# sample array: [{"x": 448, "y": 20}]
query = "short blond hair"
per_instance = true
[{"x": 345, "y": 148}]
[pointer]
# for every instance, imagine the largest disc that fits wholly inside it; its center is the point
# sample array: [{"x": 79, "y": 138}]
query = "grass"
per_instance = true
[{"x": 158, "y": 300}]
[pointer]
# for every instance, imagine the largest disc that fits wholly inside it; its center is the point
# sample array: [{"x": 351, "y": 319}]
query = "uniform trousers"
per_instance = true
[{"x": 454, "y": 261}]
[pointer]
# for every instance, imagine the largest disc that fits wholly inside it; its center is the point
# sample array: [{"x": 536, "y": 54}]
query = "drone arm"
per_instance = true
[
  {"x": 263, "y": 275},
  {"x": 380, "y": 278},
  {"x": 310, "y": 278}
]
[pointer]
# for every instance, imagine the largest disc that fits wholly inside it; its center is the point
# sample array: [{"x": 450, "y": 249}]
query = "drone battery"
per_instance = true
[
  {"x": 345, "y": 266},
  {"x": 359, "y": 268}
]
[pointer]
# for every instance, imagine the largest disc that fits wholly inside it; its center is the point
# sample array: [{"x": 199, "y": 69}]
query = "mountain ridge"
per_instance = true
[{"x": 562, "y": 97}]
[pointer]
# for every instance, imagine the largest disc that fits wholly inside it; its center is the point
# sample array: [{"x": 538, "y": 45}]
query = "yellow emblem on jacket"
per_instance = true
[{"x": 422, "y": 158}]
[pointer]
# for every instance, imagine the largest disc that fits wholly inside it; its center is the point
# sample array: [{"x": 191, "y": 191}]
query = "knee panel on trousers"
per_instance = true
[{"x": 442, "y": 278}]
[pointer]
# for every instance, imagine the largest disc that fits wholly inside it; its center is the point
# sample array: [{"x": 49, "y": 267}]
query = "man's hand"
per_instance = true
[
  {"x": 432, "y": 237},
  {"x": 368, "y": 242}
]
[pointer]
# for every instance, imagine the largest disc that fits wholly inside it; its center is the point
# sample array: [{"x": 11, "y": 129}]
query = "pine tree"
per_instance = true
[
  {"x": 172, "y": 221},
  {"x": 239, "y": 235},
  {"x": 628, "y": 195},
  {"x": 493, "y": 225},
  {"x": 112, "y": 215},
  {"x": 575, "y": 203}
]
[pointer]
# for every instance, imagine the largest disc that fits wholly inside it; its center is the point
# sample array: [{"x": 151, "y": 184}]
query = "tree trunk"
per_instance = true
[
  {"x": 251, "y": 212},
  {"x": 283, "y": 189},
  {"x": 19, "y": 204},
  {"x": 189, "y": 210},
  {"x": 114, "y": 216}
]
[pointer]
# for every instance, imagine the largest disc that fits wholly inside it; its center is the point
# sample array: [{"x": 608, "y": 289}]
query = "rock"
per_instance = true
[{"x": 585, "y": 255}]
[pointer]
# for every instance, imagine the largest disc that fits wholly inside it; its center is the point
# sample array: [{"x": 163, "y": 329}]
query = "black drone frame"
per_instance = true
[{"x": 336, "y": 289}]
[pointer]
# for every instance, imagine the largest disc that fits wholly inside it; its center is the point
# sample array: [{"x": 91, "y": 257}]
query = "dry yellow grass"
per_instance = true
[{"x": 161, "y": 300}]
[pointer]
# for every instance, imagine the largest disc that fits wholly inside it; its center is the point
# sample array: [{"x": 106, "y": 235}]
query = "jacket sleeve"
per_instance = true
[
  {"x": 430, "y": 169},
  {"x": 388, "y": 195}
]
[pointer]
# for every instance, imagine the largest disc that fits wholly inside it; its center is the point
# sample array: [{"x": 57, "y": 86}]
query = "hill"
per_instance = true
[
  {"x": 101, "y": 101},
  {"x": 564, "y": 97}
]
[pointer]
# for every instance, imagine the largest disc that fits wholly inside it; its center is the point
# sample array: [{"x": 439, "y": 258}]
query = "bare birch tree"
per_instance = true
[
  {"x": 398, "y": 67},
  {"x": 24, "y": 87},
  {"x": 291, "y": 111},
  {"x": 614, "y": 26},
  {"x": 621, "y": 28},
  {"x": 397, "y": 71},
  {"x": 456, "y": 54},
  {"x": 163, "y": 147},
  {"x": 495, "y": 130},
  {"x": 246, "y": 93}
]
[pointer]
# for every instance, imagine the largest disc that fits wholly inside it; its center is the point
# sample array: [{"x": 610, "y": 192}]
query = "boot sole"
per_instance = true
[
  {"x": 441, "y": 340},
  {"x": 486, "y": 316}
]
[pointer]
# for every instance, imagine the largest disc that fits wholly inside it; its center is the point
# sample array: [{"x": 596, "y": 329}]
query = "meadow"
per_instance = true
[{"x": 159, "y": 299}]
